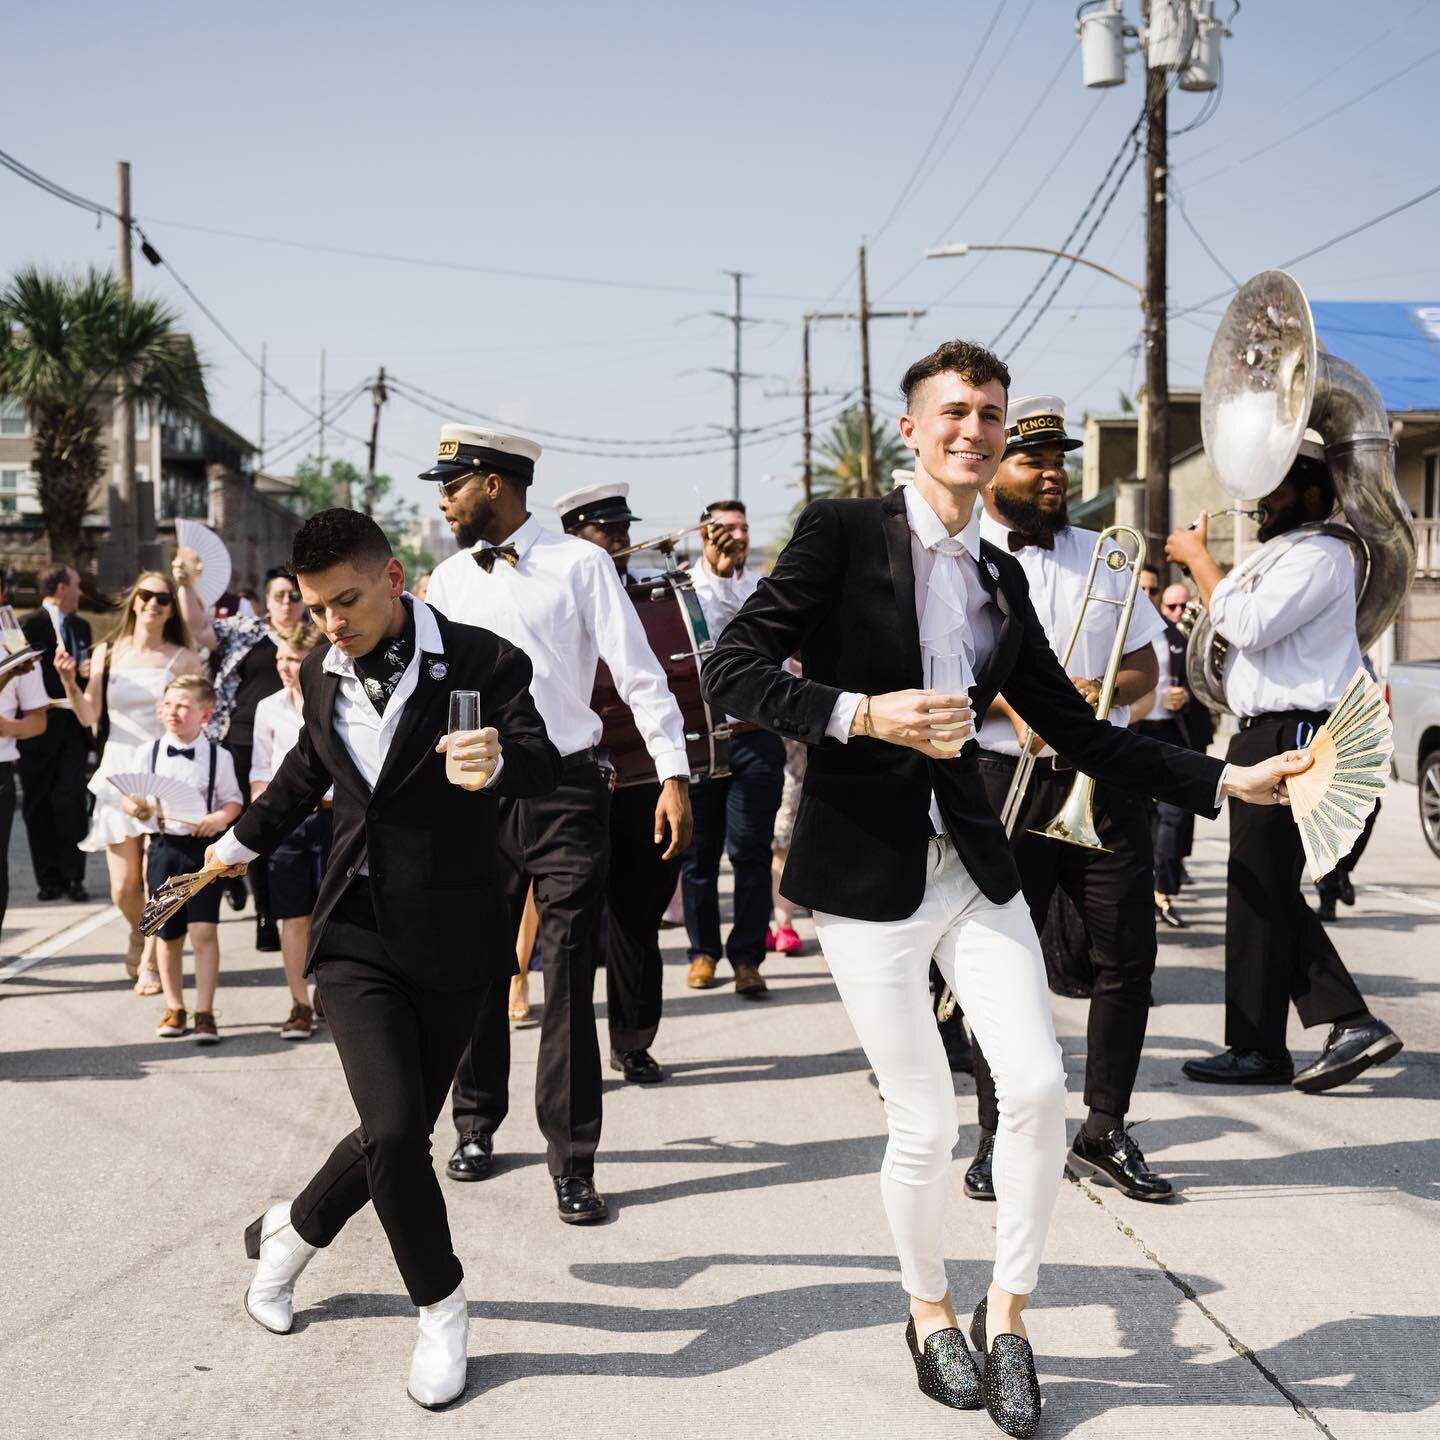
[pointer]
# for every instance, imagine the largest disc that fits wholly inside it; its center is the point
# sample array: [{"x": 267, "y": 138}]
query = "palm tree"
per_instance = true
[
  {"x": 68, "y": 347},
  {"x": 837, "y": 475}
]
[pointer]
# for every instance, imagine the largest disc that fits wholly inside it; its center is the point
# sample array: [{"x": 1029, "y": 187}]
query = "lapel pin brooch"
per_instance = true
[
  {"x": 438, "y": 669},
  {"x": 994, "y": 569}
]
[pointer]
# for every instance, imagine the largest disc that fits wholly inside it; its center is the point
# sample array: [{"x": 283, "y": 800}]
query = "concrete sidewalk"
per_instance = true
[{"x": 746, "y": 1284}]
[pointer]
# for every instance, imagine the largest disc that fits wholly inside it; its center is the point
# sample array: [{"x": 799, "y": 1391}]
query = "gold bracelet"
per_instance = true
[{"x": 868, "y": 723}]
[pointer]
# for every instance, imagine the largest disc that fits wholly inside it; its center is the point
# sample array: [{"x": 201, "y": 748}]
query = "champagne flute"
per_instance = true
[
  {"x": 935, "y": 672},
  {"x": 464, "y": 715},
  {"x": 11, "y": 635}
]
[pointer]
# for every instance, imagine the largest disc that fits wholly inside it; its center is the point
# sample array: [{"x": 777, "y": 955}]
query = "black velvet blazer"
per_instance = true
[{"x": 842, "y": 597}]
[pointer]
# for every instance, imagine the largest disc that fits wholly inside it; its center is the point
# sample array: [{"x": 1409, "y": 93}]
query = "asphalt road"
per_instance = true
[{"x": 746, "y": 1283}]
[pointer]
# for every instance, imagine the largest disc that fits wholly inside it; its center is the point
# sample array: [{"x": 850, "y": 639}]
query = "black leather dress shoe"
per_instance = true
[
  {"x": 979, "y": 1179},
  {"x": 1167, "y": 914},
  {"x": 1347, "y": 889},
  {"x": 49, "y": 892},
  {"x": 577, "y": 1200},
  {"x": 1115, "y": 1159},
  {"x": 473, "y": 1157},
  {"x": 1347, "y": 1052},
  {"x": 1241, "y": 1067},
  {"x": 1326, "y": 909},
  {"x": 945, "y": 1369},
  {"x": 77, "y": 892},
  {"x": 235, "y": 892},
  {"x": 267, "y": 934},
  {"x": 1010, "y": 1389},
  {"x": 637, "y": 1066}
]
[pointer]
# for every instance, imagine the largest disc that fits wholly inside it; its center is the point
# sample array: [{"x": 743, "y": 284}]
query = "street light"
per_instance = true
[{"x": 945, "y": 252}]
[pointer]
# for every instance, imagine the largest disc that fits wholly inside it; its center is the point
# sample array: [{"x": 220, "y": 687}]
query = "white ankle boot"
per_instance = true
[
  {"x": 282, "y": 1254},
  {"x": 437, "y": 1368}
]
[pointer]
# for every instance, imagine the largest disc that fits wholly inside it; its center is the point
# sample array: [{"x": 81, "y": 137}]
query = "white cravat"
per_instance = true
[{"x": 946, "y": 644}]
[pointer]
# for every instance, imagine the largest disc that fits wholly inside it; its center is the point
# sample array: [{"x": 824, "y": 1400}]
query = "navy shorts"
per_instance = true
[
  {"x": 296, "y": 867},
  {"x": 182, "y": 855}
]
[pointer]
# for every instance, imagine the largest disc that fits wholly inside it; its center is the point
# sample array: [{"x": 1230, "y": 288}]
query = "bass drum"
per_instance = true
[{"x": 674, "y": 624}]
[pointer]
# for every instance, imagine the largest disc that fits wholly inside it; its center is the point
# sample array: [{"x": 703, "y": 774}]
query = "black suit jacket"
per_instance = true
[
  {"x": 40, "y": 632},
  {"x": 432, "y": 847},
  {"x": 842, "y": 596}
]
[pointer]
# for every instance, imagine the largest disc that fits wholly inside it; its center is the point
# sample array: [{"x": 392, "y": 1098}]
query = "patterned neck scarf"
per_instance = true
[{"x": 381, "y": 669}]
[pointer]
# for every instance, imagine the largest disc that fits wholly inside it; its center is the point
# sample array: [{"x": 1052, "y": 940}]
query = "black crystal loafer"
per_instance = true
[
  {"x": 1347, "y": 1052},
  {"x": 1115, "y": 1159},
  {"x": 473, "y": 1158},
  {"x": 1010, "y": 1389},
  {"x": 639, "y": 1067},
  {"x": 980, "y": 1177},
  {"x": 945, "y": 1369},
  {"x": 577, "y": 1200}
]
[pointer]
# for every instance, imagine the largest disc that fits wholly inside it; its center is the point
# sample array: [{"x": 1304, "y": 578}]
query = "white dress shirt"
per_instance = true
[
  {"x": 363, "y": 733},
  {"x": 194, "y": 771},
  {"x": 1291, "y": 630},
  {"x": 22, "y": 695},
  {"x": 564, "y": 606},
  {"x": 721, "y": 596},
  {"x": 279, "y": 719},
  {"x": 1057, "y": 583}
]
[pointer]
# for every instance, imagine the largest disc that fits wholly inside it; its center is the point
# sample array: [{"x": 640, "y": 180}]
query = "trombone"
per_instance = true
[{"x": 1075, "y": 821}]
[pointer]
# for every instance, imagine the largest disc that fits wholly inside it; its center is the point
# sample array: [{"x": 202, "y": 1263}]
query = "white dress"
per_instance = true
[{"x": 130, "y": 699}]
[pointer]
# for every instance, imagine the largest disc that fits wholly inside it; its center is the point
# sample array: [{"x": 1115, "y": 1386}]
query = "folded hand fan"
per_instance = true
[
  {"x": 171, "y": 896},
  {"x": 1332, "y": 800},
  {"x": 214, "y": 576},
  {"x": 173, "y": 799}
]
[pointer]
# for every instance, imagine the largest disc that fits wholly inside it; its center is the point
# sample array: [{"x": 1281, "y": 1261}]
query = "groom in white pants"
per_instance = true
[{"x": 898, "y": 853}]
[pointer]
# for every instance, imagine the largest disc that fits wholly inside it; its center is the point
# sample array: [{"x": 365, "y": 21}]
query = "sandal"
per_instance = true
[
  {"x": 520, "y": 998},
  {"x": 132, "y": 956},
  {"x": 148, "y": 982}
]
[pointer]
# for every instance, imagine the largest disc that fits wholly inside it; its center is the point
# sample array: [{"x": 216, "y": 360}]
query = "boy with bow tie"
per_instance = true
[{"x": 179, "y": 849}]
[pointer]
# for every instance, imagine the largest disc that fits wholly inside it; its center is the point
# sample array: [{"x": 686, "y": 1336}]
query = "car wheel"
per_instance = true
[{"x": 1430, "y": 799}]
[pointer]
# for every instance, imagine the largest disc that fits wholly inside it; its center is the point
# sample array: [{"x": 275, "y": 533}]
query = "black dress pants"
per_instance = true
[
  {"x": 54, "y": 800},
  {"x": 259, "y": 871},
  {"x": 7, "y": 821},
  {"x": 1332, "y": 884},
  {"x": 561, "y": 842},
  {"x": 1276, "y": 949},
  {"x": 640, "y": 886},
  {"x": 398, "y": 1044},
  {"x": 1113, "y": 891}
]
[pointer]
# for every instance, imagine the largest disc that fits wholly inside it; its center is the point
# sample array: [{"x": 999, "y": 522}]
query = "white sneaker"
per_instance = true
[
  {"x": 437, "y": 1368},
  {"x": 282, "y": 1255}
]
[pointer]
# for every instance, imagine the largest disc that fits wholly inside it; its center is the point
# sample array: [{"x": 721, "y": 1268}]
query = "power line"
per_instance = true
[{"x": 1179, "y": 198}]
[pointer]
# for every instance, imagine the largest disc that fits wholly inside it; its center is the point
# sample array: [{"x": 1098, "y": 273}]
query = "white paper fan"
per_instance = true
[
  {"x": 177, "y": 802},
  {"x": 1332, "y": 800},
  {"x": 215, "y": 568}
]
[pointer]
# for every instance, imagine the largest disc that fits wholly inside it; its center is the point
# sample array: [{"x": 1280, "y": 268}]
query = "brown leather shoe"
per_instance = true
[
  {"x": 300, "y": 1024},
  {"x": 702, "y": 973},
  {"x": 172, "y": 1024},
  {"x": 203, "y": 1030},
  {"x": 749, "y": 982}
]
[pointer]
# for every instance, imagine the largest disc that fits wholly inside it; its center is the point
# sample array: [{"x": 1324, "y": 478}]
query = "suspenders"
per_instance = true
[{"x": 209, "y": 789}]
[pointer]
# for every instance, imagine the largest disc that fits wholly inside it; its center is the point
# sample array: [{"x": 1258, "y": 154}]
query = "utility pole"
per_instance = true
[
  {"x": 121, "y": 558},
  {"x": 1157, "y": 383},
  {"x": 737, "y": 376},
  {"x": 806, "y": 474},
  {"x": 379, "y": 395},
  {"x": 260, "y": 463},
  {"x": 864, "y": 315},
  {"x": 867, "y": 441}
]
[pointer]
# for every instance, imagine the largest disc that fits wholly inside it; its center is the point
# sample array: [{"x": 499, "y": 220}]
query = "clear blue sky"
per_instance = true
[{"x": 658, "y": 145}]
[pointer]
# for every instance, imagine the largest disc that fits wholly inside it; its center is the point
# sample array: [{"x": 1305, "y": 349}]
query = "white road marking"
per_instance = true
[{"x": 54, "y": 944}]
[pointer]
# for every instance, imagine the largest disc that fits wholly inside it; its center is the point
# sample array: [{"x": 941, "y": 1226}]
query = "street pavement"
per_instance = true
[{"x": 745, "y": 1284}]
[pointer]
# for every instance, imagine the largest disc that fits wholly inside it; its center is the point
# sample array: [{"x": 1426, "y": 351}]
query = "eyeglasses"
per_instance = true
[
  {"x": 163, "y": 598},
  {"x": 455, "y": 484}
]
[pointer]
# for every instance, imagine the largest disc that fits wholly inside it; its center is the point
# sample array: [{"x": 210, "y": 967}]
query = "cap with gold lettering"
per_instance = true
[
  {"x": 1037, "y": 420},
  {"x": 467, "y": 450}
]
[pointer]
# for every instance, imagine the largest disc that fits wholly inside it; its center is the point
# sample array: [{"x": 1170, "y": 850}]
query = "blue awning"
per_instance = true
[{"x": 1396, "y": 344}]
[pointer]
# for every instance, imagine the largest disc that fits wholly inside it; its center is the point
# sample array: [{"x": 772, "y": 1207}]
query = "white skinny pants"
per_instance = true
[{"x": 990, "y": 957}]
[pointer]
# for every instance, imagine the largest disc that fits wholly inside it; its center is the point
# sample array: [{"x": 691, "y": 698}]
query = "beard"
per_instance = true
[
  {"x": 1027, "y": 517},
  {"x": 1277, "y": 521},
  {"x": 470, "y": 529}
]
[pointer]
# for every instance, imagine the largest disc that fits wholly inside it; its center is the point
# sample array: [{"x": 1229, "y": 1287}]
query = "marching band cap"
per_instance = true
[
  {"x": 1037, "y": 420},
  {"x": 466, "y": 450},
  {"x": 596, "y": 505},
  {"x": 1312, "y": 445}
]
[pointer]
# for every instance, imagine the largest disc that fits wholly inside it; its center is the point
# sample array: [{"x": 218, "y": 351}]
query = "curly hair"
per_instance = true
[
  {"x": 338, "y": 537},
  {"x": 962, "y": 357}
]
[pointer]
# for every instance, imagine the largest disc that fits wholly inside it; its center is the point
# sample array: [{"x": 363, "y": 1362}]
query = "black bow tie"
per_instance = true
[
  {"x": 487, "y": 557},
  {"x": 1018, "y": 541},
  {"x": 187, "y": 751}
]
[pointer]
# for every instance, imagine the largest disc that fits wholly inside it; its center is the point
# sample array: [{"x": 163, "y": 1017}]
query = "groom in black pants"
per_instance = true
[{"x": 408, "y": 929}]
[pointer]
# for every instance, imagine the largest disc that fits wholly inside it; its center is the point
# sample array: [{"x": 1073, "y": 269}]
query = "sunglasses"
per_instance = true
[
  {"x": 292, "y": 595},
  {"x": 455, "y": 484},
  {"x": 163, "y": 598}
]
